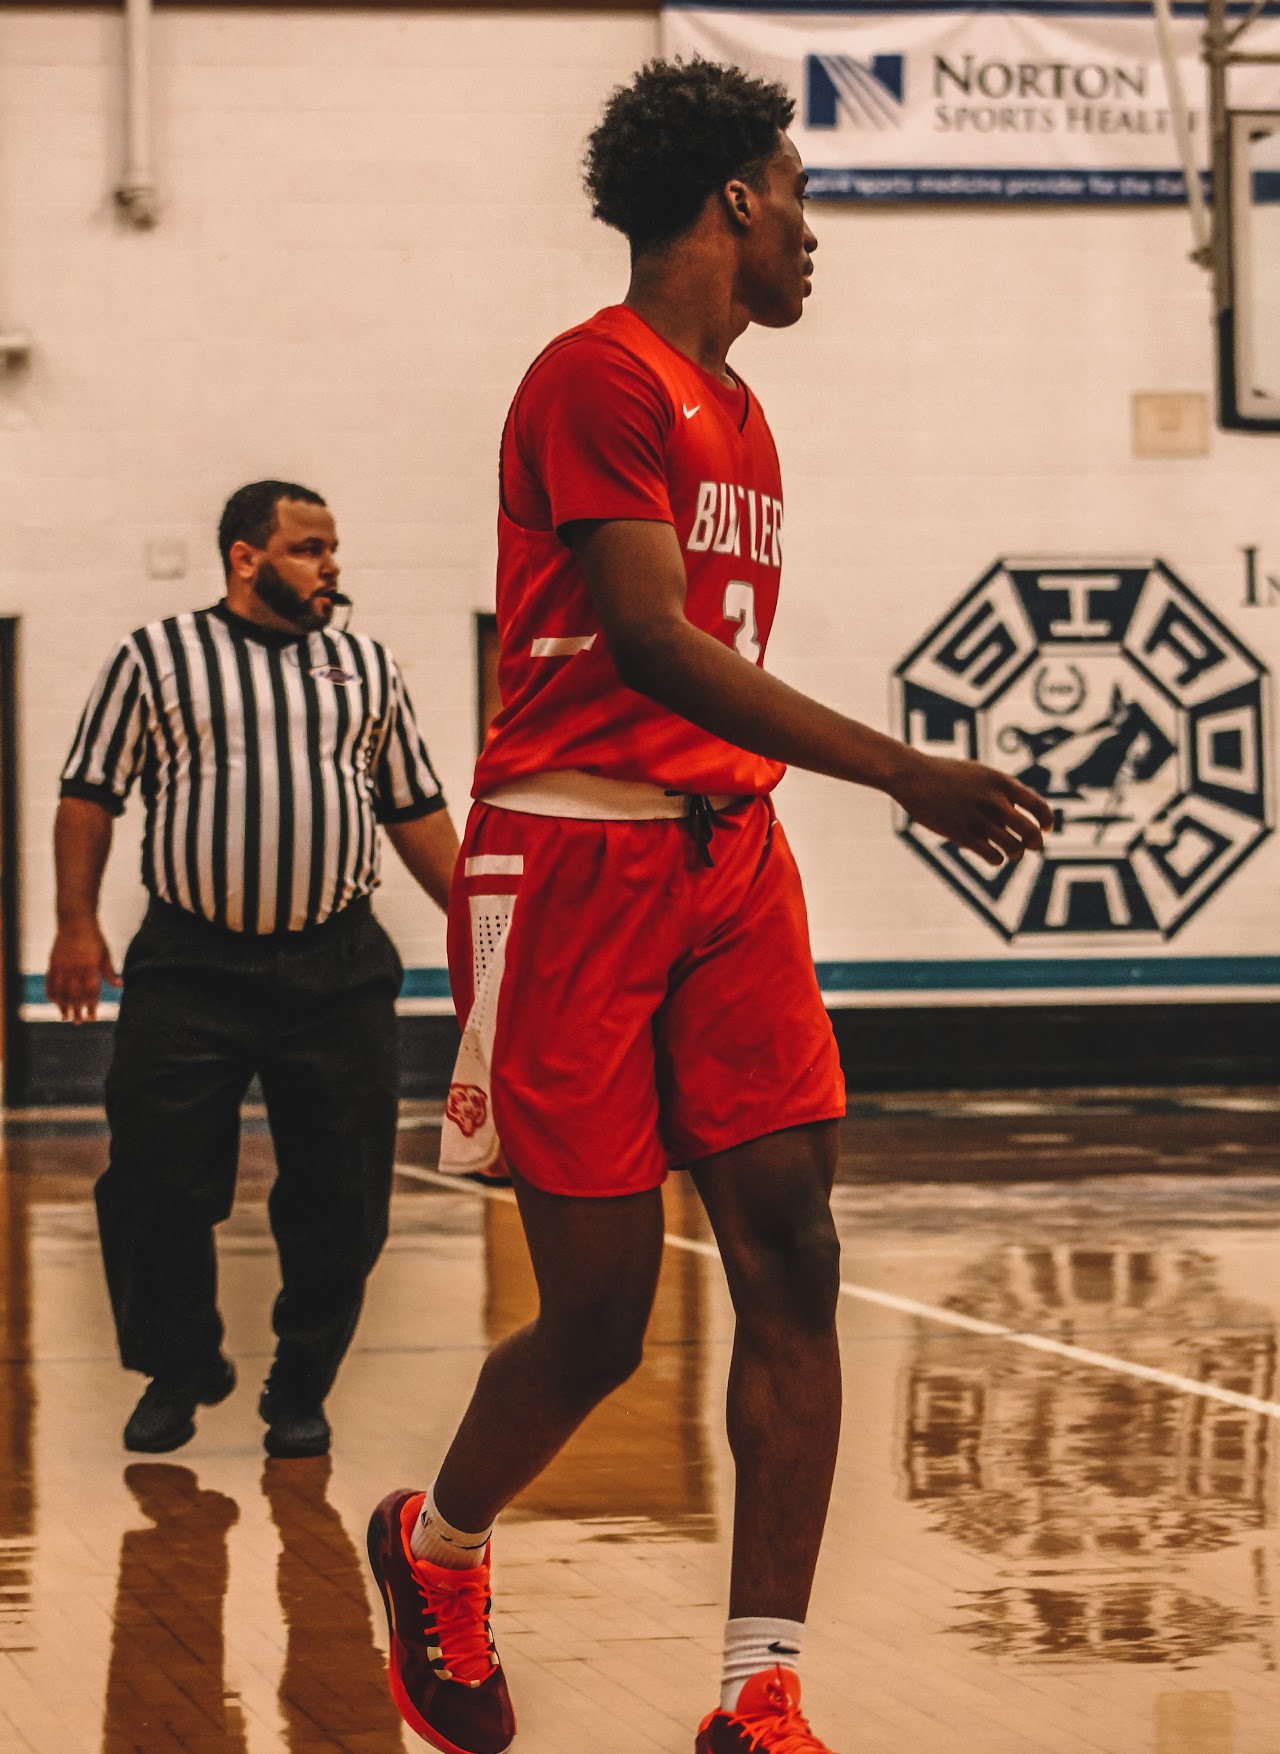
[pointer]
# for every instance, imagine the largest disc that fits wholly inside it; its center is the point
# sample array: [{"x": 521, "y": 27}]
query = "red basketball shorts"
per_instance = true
[{"x": 625, "y": 1008}]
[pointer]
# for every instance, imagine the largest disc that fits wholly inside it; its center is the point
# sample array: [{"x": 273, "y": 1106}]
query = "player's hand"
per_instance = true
[
  {"x": 983, "y": 811},
  {"x": 78, "y": 964}
]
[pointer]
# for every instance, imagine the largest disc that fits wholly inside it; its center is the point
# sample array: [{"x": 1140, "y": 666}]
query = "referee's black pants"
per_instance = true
[{"x": 203, "y": 1009}]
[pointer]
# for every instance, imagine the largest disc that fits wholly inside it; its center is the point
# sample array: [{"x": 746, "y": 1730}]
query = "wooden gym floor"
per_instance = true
[{"x": 1054, "y": 1525}]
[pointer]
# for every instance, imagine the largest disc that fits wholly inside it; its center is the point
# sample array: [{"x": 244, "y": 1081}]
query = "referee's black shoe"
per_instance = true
[
  {"x": 165, "y": 1416},
  {"x": 294, "y": 1427}
]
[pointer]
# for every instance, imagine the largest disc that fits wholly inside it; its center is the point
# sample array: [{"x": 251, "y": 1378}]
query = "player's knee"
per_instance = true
[
  {"x": 598, "y": 1355},
  {"x": 816, "y": 1273},
  {"x": 797, "y": 1275}
]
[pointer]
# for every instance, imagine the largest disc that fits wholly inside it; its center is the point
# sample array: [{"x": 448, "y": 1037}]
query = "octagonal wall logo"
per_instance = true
[{"x": 1113, "y": 691}]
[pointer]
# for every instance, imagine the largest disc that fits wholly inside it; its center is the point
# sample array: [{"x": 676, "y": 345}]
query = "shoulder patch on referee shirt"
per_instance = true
[{"x": 335, "y": 674}]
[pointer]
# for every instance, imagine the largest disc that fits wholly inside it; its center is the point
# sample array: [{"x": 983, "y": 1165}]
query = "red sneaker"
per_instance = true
[
  {"x": 444, "y": 1670},
  {"x": 768, "y": 1720}
]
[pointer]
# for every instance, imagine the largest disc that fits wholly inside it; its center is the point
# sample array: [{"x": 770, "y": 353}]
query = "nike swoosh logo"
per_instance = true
[
  {"x": 690, "y": 412},
  {"x": 784, "y": 1650}
]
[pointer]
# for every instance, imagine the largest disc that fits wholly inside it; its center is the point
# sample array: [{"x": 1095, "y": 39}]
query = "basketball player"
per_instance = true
[{"x": 629, "y": 948}]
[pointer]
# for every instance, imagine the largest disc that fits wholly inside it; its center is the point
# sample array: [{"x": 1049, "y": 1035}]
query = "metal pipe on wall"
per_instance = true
[
  {"x": 136, "y": 191},
  {"x": 1200, "y": 225},
  {"x": 1217, "y": 44}
]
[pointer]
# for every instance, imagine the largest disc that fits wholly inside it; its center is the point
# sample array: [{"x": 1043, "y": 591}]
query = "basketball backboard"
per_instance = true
[
  {"x": 1244, "y": 120},
  {"x": 1249, "y": 303}
]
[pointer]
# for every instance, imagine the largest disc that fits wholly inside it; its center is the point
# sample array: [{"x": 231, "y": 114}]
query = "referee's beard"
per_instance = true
[{"x": 308, "y": 614}]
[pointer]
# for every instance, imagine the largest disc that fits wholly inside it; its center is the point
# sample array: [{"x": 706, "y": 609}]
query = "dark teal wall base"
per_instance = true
[
  {"x": 973, "y": 976},
  {"x": 1002, "y": 1047},
  {"x": 970, "y": 1047},
  {"x": 59, "y": 1064}
]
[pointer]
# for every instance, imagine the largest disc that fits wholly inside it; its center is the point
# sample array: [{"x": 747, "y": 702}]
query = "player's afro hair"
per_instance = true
[{"x": 677, "y": 133}]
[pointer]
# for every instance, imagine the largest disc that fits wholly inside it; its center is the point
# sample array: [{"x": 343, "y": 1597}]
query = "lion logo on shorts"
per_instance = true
[{"x": 467, "y": 1107}]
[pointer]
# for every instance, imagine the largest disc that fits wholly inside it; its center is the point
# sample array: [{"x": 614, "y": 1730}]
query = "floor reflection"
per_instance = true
[
  {"x": 1024, "y": 1554},
  {"x": 17, "y": 1418},
  {"x": 165, "y": 1688},
  {"x": 333, "y": 1692},
  {"x": 1086, "y": 1485},
  {"x": 642, "y": 1458},
  {"x": 1194, "y": 1723}
]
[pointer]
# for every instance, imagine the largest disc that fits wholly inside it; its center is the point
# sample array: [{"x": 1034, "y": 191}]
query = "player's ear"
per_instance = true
[{"x": 738, "y": 200}]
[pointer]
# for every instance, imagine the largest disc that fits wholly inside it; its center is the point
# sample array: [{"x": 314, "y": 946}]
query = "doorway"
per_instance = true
[
  {"x": 488, "y": 698},
  {"x": 10, "y": 967}
]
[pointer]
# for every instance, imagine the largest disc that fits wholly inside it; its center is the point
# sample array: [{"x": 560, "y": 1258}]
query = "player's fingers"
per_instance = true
[
  {"x": 1010, "y": 818},
  {"x": 1032, "y": 803},
  {"x": 1011, "y": 831},
  {"x": 1027, "y": 830},
  {"x": 979, "y": 842},
  {"x": 1009, "y": 844}
]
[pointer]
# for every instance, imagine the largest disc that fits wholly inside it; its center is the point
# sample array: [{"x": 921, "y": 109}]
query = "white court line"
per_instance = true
[{"x": 932, "y": 1312}]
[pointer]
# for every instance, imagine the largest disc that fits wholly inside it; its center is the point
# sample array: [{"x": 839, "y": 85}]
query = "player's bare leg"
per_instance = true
[
  {"x": 769, "y": 1205},
  {"x": 596, "y": 1262}
]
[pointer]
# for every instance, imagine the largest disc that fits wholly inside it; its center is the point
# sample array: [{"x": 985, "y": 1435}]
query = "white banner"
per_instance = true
[{"x": 1054, "y": 101}]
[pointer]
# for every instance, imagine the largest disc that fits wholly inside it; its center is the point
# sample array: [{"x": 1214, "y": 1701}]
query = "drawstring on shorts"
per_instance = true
[{"x": 700, "y": 820}]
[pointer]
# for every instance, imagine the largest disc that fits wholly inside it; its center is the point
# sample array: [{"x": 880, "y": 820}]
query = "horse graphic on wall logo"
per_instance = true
[{"x": 1113, "y": 691}]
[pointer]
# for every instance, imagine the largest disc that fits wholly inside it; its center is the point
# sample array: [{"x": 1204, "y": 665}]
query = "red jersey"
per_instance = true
[{"x": 613, "y": 422}]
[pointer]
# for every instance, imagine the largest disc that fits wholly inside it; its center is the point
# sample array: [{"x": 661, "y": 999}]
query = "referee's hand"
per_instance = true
[{"x": 78, "y": 964}]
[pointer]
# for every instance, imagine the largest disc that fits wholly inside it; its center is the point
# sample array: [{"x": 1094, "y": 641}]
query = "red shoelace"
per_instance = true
[
  {"x": 461, "y": 1630},
  {"x": 781, "y": 1727}
]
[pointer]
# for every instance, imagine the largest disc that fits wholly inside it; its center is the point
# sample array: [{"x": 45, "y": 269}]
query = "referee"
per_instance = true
[{"x": 269, "y": 747}]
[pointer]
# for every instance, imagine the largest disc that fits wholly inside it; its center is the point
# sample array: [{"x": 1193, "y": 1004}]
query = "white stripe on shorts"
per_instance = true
[
  {"x": 563, "y": 648},
  {"x": 494, "y": 865}
]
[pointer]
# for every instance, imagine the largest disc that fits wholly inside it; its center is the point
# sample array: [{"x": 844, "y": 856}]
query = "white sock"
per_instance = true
[
  {"x": 439, "y": 1543},
  {"x": 752, "y": 1645}
]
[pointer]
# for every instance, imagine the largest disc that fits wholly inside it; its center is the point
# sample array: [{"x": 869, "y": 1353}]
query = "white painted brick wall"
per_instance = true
[{"x": 370, "y": 223}]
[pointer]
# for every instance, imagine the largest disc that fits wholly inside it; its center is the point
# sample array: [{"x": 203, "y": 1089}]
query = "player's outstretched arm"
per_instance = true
[{"x": 635, "y": 573}]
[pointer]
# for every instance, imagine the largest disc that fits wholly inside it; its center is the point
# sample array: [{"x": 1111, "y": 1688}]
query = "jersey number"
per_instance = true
[{"x": 740, "y": 606}]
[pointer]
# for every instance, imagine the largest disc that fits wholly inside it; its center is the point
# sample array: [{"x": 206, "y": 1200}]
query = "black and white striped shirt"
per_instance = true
[{"x": 266, "y": 761}]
